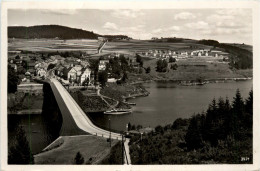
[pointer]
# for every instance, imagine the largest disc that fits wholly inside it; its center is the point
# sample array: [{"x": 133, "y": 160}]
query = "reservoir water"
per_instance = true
[
  {"x": 166, "y": 102},
  {"x": 169, "y": 101}
]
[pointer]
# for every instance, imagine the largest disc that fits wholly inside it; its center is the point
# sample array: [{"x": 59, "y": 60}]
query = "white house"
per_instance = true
[
  {"x": 102, "y": 65},
  {"x": 84, "y": 75},
  {"x": 41, "y": 72},
  {"x": 70, "y": 73}
]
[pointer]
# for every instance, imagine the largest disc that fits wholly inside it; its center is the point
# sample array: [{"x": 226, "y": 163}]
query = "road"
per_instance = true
[
  {"x": 127, "y": 151},
  {"x": 78, "y": 115}
]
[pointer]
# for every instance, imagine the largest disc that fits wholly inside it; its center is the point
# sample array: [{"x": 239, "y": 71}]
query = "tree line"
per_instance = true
[{"x": 222, "y": 134}]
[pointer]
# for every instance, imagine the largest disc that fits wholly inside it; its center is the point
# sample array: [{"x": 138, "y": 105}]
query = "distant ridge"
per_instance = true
[{"x": 49, "y": 31}]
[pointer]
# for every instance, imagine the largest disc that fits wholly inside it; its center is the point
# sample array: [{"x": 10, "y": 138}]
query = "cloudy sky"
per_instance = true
[{"x": 224, "y": 25}]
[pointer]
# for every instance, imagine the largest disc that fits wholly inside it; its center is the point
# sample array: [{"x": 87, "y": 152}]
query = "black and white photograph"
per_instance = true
[{"x": 129, "y": 85}]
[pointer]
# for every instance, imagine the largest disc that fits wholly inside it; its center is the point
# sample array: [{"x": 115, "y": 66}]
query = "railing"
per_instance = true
[{"x": 100, "y": 126}]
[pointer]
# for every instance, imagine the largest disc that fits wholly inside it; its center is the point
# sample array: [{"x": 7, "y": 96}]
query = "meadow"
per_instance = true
[{"x": 51, "y": 45}]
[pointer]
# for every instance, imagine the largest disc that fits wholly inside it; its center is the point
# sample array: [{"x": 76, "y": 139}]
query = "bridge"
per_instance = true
[{"x": 75, "y": 121}]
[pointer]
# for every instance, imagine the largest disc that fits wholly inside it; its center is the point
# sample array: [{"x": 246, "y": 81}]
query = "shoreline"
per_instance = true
[
  {"x": 212, "y": 80},
  {"x": 144, "y": 94}
]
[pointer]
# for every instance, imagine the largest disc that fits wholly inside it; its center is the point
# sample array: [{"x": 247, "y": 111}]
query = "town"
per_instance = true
[{"x": 78, "y": 97}]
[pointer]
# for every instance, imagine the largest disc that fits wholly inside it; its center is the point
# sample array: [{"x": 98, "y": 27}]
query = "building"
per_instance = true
[
  {"x": 70, "y": 74},
  {"x": 41, "y": 72},
  {"x": 59, "y": 71},
  {"x": 14, "y": 66},
  {"x": 85, "y": 74},
  {"x": 102, "y": 65}
]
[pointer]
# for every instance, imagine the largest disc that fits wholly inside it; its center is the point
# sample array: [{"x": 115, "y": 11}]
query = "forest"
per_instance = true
[{"x": 222, "y": 134}]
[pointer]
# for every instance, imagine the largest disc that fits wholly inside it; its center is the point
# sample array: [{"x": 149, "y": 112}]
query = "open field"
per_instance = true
[
  {"x": 142, "y": 45},
  {"x": 93, "y": 149},
  {"x": 193, "y": 68},
  {"x": 53, "y": 45}
]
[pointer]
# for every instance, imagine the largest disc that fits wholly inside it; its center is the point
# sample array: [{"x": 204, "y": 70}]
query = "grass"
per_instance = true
[
  {"x": 52, "y": 45},
  {"x": 192, "y": 69},
  {"x": 93, "y": 149}
]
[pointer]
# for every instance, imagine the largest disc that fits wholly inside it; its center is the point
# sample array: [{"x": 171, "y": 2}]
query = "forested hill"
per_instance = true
[
  {"x": 240, "y": 57},
  {"x": 49, "y": 31}
]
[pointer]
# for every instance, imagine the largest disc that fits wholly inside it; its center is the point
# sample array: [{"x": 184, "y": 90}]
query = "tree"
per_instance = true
[
  {"x": 249, "y": 103},
  {"x": 174, "y": 66},
  {"x": 238, "y": 104},
  {"x": 79, "y": 159},
  {"x": 51, "y": 66},
  {"x": 93, "y": 65},
  {"x": 125, "y": 77},
  {"x": 13, "y": 80},
  {"x": 20, "y": 153},
  {"x": 102, "y": 78},
  {"x": 193, "y": 136},
  {"x": 148, "y": 70},
  {"x": 138, "y": 58},
  {"x": 86, "y": 82},
  {"x": 248, "y": 118},
  {"x": 159, "y": 129},
  {"x": 161, "y": 65},
  {"x": 171, "y": 59}
]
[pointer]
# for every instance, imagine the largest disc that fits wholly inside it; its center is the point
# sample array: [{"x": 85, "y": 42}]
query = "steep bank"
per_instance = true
[{"x": 24, "y": 103}]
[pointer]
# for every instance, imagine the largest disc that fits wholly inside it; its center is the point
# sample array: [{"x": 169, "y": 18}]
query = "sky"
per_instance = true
[{"x": 224, "y": 25}]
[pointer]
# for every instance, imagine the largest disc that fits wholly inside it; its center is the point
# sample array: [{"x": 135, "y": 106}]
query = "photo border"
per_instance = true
[{"x": 254, "y": 5}]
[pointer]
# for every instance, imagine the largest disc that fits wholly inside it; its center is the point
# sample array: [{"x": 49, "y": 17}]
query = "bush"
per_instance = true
[{"x": 78, "y": 159}]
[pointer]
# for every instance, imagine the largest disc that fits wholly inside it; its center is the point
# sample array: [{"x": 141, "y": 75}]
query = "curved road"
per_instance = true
[{"x": 78, "y": 115}]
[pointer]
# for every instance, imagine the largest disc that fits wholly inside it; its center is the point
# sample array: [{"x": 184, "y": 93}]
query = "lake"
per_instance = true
[
  {"x": 166, "y": 102},
  {"x": 169, "y": 101}
]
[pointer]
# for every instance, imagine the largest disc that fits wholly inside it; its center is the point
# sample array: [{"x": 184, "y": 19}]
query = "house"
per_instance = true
[
  {"x": 59, "y": 71},
  {"x": 14, "y": 66},
  {"x": 70, "y": 74},
  {"x": 101, "y": 38},
  {"x": 31, "y": 71},
  {"x": 17, "y": 61},
  {"x": 85, "y": 74},
  {"x": 102, "y": 65},
  {"x": 41, "y": 72},
  {"x": 30, "y": 65}
]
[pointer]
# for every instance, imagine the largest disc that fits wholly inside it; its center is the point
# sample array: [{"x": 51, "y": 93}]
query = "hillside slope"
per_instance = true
[{"x": 49, "y": 31}]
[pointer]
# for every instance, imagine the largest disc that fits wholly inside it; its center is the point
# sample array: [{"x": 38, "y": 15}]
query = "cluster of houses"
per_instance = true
[
  {"x": 74, "y": 73},
  {"x": 165, "y": 54},
  {"x": 159, "y": 54}
]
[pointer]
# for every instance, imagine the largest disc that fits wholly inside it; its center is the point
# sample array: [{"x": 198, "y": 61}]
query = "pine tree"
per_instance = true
[
  {"x": 249, "y": 103},
  {"x": 20, "y": 153},
  {"x": 237, "y": 114},
  {"x": 78, "y": 159},
  {"x": 248, "y": 119},
  {"x": 193, "y": 136}
]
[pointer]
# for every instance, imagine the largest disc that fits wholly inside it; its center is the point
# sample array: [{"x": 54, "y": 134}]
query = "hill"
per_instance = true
[
  {"x": 240, "y": 57},
  {"x": 49, "y": 31}
]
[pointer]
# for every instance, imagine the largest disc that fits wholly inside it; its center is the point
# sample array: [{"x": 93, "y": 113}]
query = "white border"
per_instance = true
[{"x": 131, "y": 5}]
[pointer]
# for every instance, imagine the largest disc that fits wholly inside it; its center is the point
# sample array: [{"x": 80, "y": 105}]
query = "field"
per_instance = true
[
  {"x": 194, "y": 68},
  {"x": 142, "y": 45},
  {"x": 35, "y": 45},
  {"x": 93, "y": 149}
]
